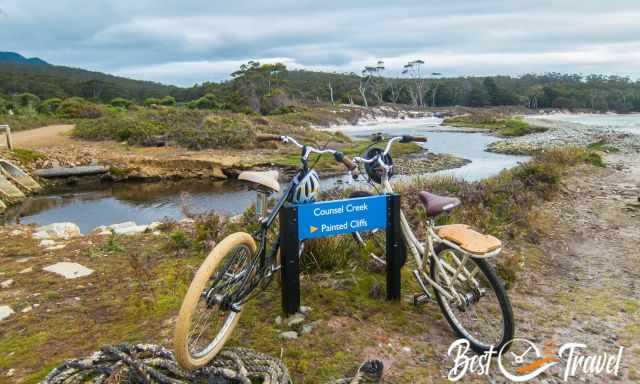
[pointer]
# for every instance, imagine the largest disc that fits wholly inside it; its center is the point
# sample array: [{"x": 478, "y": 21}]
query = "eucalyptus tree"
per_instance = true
[{"x": 414, "y": 70}]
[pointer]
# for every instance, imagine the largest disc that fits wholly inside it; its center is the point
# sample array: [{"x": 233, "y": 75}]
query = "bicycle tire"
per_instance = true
[
  {"x": 497, "y": 286},
  {"x": 193, "y": 297}
]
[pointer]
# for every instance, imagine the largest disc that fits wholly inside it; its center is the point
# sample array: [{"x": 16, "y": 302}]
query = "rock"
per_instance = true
[
  {"x": 47, "y": 243},
  {"x": 278, "y": 320},
  {"x": 11, "y": 372},
  {"x": 57, "y": 231},
  {"x": 289, "y": 335},
  {"x": 6, "y": 311},
  {"x": 305, "y": 310},
  {"x": 69, "y": 270},
  {"x": 186, "y": 221},
  {"x": 26, "y": 309},
  {"x": 16, "y": 232},
  {"x": 7, "y": 283},
  {"x": 235, "y": 219},
  {"x": 306, "y": 329},
  {"x": 153, "y": 226},
  {"x": 126, "y": 228},
  {"x": 27, "y": 270},
  {"x": 295, "y": 320},
  {"x": 55, "y": 247}
]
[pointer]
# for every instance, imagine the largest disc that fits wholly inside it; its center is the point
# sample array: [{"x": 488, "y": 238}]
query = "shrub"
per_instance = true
[
  {"x": 28, "y": 100},
  {"x": 79, "y": 108},
  {"x": 151, "y": 101},
  {"x": 50, "y": 106},
  {"x": 208, "y": 101},
  {"x": 220, "y": 132},
  {"x": 169, "y": 101},
  {"x": 120, "y": 102}
]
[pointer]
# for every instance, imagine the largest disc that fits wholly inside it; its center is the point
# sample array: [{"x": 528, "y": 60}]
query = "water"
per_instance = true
[
  {"x": 146, "y": 203},
  {"x": 624, "y": 123}
]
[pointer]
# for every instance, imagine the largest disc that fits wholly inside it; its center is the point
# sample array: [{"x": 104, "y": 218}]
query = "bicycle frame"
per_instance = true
[{"x": 422, "y": 252}]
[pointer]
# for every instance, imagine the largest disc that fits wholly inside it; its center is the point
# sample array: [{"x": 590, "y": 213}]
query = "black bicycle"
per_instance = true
[{"x": 237, "y": 269}]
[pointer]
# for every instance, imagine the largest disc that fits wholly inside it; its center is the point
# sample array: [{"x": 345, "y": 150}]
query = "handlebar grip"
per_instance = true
[
  {"x": 351, "y": 166},
  {"x": 266, "y": 137},
  {"x": 409, "y": 139}
]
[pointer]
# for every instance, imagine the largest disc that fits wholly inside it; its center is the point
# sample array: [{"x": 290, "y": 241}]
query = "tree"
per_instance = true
[
  {"x": 414, "y": 70},
  {"x": 50, "y": 106},
  {"x": 169, "y": 101},
  {"x": 28, "y": 100}
]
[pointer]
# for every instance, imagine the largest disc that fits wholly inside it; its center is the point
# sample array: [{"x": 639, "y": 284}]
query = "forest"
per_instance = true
[{"x": 273, "y": 89}]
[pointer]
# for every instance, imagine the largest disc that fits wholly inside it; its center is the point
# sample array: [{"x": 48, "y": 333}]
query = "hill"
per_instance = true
[
  {"x": 12, "y": 57},
  {"x": 19, "y": 74}
]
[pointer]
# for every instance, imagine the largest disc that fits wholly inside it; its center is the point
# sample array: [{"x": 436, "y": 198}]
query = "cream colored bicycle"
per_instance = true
[{"x": 451, "y": 264}]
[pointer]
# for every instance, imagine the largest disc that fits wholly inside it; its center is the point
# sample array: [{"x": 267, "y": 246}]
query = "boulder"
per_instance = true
[
  {"x": 69, "y": 270},
  {"x": 7, "y": 283},
  {"x": 6, "y": 311},
  {"x": 126, "y": 228},
  {"x": 289, "y": 335},
  {"x": 54, "y": 231}
]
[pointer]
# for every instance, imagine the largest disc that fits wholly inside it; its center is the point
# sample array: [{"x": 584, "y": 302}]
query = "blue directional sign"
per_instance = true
[{"x": 336, "y": 217}]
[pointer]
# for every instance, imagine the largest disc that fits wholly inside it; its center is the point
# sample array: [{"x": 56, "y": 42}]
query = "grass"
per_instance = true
[
  {"x": 27, "y": 155},
  {"x": 603, "y": 146},
  {"x": 505, "y": 127},
  {"x": 30, "y": 121},
  {"x": 135, "y": 296},
  {"x": 200, "y": 129}
]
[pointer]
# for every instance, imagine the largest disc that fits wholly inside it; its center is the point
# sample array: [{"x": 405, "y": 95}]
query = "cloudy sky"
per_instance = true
[{"x": 184, "y": 42}]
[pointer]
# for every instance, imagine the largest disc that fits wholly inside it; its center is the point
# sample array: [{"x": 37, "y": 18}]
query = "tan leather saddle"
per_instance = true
[{"x": 268, "y": 179}]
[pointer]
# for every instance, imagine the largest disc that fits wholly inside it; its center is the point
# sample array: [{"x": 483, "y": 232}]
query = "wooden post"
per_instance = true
[{"x": 8, "y": 133}]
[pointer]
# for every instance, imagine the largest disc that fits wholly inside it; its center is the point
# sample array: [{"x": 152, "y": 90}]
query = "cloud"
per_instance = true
[{"x": 195, "y": 41}]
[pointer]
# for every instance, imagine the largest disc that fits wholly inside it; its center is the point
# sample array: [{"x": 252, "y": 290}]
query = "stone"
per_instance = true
[
  {"x": 7, "y": 283},
  {"x": 289, "y": 335},
  {"x": 5, "y": 311},
  {"x": 11, "y": 372},
  {"x": 55, "y": 247},
  {"x": 126, "y": 228},
  {"x": 295, "y": 320},
  {"x": 305, "y": 310},
  {"x": 26, "y": 309},
  {"x": 47, "y": 243},
  {"x": 278, "y": 320},
  {"x": 306, "y": 329},
  {"x": 16, "y": 232},
  {"x": 57, "y": 231},
  {"x": 155, "y": 225},
  {"x": 27, "y": 270},
  {"x": 69, "y": 270}
]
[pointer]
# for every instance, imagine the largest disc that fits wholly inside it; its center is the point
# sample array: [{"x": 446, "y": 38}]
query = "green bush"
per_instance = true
[
  {"x": 151, "y": 101},
  {"x": 169, "y": 101},
  {"x": 120, "y": 102},
  {"x": 28, "y": 100},
  {"x": 79, "y": 108},
  {"x": 208, "y": 101},
  {"x": 220, "y": 132},
  {"x": 50, "y": 106}
]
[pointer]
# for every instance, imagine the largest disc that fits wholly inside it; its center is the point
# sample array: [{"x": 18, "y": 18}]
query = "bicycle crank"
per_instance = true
[
  {"x": 471, "y": 297},
  {"x": 425, "y": 296}
]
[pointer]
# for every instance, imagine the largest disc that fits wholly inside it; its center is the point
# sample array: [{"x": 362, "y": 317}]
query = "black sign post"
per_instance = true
[{"x": 290, "y": 246}]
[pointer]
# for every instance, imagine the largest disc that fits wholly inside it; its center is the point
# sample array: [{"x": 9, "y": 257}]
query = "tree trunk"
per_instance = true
[{"x": 331, "y": 94}]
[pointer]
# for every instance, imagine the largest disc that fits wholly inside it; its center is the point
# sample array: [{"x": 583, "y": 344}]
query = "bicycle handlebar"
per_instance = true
[
  {"x": 409, "y": 139},
  {"x": 338, "y": 156}
]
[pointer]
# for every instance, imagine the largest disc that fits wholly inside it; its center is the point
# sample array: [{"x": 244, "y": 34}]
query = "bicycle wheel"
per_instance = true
[
  {"x": 203, "y": 326},
  {"x": 373, "y": 242},
  {"x": 486, "y": 318}
]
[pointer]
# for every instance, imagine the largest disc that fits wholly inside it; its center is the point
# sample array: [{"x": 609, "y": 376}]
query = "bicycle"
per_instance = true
[
  {"x": 236, "y": 269},
  {"x": 457, "y": 270}
]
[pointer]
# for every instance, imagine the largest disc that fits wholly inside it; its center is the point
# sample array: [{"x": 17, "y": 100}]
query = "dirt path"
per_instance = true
[
  {"x": 584, "y": 287},
  {"x": 48, "y": 136}
]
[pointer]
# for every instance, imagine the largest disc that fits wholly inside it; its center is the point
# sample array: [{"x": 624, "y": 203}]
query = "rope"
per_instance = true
[{"x": 153, "y": 364}]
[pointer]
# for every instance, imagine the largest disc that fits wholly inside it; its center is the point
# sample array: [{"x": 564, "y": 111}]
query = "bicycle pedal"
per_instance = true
[{"x": 421, "y": 298}]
